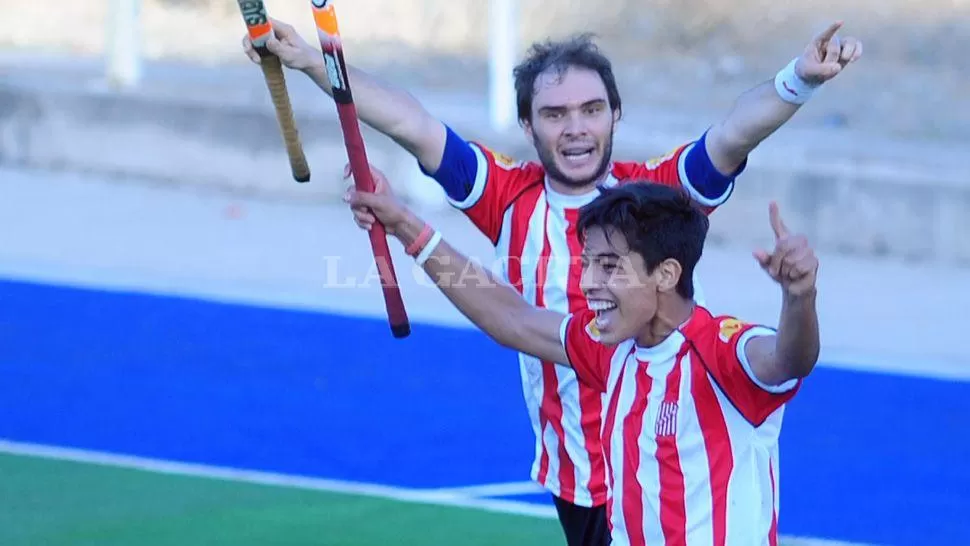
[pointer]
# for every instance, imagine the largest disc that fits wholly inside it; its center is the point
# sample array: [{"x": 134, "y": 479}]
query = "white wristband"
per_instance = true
[
  {"x": 790, "y": 87},
  {"x": 428, "y": 249}
]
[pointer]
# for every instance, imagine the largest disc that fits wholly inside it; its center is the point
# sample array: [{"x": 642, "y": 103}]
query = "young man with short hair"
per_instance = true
[{"x": 694, "y": 402}]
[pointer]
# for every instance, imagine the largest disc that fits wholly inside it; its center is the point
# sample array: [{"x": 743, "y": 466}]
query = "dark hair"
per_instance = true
[
  {"x": 659, "y": 223},
  {"x": 578, "y": 51}
]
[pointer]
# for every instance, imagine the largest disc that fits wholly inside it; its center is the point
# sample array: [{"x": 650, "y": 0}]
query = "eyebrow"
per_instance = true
[
  {"x": 601, "y": 255},
  {"x": 594, "y": 102}
]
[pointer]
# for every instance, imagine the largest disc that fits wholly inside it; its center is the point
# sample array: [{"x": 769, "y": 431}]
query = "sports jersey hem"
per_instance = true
[
  {"x": 579, "y": 500},
  {"x": 478, "y": 189},
  {"x": 759, "y": 331}
]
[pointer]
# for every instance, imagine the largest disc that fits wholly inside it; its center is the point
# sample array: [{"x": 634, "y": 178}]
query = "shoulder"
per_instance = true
[
  {"x": 708, "y": 329},
  {"x": 579, "y": 328},
  {"x": 583, "y": 323},
  {"x": 506, "y": 162},
  {"x": 731, "y": 334},
  {"x": 629, "y": 169},
  {"x": 721, "y": 327},
  {"x": 514, "y": 177}
]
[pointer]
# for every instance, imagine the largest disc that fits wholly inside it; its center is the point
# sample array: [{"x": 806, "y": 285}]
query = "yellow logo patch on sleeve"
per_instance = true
[
  {"x": 503, "y": 160},
  {"x": 729, "y": 327},
  {"x": 655, "y": 162}
]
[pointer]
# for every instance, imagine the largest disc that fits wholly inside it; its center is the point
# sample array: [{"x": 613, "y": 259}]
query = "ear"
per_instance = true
[
  {"x": 668, "y": 274},
  {"x": 616, "y": 118}
]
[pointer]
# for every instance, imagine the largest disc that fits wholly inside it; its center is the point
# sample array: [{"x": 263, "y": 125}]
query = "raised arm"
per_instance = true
[
  {"x": 793, "y": 351},
  {"x": 388, "y": 109},
  {"x": 496, "y": 308},
  {"x": 759, "y": 112}
]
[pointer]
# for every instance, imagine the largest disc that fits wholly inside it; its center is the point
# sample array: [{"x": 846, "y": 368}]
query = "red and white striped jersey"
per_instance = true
[
  {"x": 690, "y": 434},
  {"x": 534, "y": 231}
]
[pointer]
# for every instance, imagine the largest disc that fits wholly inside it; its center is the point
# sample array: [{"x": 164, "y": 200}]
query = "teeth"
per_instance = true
[{"x": 599, "y": 305}]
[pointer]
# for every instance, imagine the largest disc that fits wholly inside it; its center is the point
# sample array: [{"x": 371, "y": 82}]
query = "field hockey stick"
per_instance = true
[
  {"x": 260, "y": 30},
  {"x": 329, "y": 34}
]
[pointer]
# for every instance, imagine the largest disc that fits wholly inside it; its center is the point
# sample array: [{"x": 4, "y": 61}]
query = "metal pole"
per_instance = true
[
  {"x": 123, "y": 48},
  {"x": 503, "y": 38}
]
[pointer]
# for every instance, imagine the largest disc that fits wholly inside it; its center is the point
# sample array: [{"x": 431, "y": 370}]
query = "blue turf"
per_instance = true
[
  {"x": 864, "y": 457},
  {"x": 533, "y": 498}
]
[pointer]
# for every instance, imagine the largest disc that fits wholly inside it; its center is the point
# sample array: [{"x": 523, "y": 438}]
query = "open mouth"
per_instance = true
[
  {"x": 577, "y": 155},
  {"x": 605, "y": 312}
]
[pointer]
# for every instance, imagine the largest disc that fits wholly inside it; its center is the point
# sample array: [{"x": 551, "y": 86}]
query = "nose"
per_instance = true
[
  {"x": 590, "y": 280},
  {"x": 575, "y": 124}
]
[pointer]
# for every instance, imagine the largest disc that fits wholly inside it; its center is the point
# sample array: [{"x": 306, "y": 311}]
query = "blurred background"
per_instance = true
[{"x": 193, "y": 347}]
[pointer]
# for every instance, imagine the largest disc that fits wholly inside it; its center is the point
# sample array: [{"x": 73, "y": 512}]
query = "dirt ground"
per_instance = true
[{"x": 913, "y": 82}]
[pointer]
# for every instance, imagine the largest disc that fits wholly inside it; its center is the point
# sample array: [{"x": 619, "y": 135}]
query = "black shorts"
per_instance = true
[{"x": 583, "y": 526}]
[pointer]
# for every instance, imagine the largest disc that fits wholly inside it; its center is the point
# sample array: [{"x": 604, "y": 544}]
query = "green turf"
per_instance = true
[{"x": 55, "y": 503}]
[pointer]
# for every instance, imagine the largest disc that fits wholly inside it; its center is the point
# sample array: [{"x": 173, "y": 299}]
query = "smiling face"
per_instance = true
[
  {"x": 641, "y": 243},
  {"x": 619, "y": 287},
  {"x": 571, "y": 126}
]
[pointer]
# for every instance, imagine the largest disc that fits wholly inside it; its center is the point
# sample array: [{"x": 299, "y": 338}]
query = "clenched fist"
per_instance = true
[{"x": 287, "y": 44}]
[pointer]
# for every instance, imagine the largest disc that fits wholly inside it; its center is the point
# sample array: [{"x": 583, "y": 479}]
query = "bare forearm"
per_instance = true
[
  {"x": 496, "y": 308},
  {"x": 756, "y": 114},
  {"x": 797, "y": 343},
  {"x": 490, "y": 305},
  {"x": 393, "y": 112}
]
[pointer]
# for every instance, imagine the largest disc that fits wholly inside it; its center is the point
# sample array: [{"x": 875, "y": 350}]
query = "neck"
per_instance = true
[
  {"x": 573, "y": 189},
  {"x": 670, "y": 315}
]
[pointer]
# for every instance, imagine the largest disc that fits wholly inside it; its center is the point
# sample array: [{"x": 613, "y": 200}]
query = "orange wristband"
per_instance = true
[{"x": 422, "y": 239}]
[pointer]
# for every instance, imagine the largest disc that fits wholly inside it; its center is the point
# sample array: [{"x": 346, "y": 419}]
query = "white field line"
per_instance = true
[
  {"x": 160, "y": 466},
  {"x": 495, "y": 489},
  {"x": 456, "y": 497}
]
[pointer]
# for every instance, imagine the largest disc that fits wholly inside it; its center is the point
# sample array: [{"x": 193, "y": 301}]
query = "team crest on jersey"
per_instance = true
[
  {"x": 729, "y": 327},
  {"x": 504, "y": 161},
  {"x": 666, "y": 425},
  {"x": 653, "y": 163},
  {"x": 592, "y": 330}
]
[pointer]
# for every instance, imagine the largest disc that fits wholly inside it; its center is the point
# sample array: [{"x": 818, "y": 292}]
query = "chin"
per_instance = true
[
  {"x": 579, "y": 178},
  {"x": 584, "y": 175},
  {"x": 586, "y": 169}
]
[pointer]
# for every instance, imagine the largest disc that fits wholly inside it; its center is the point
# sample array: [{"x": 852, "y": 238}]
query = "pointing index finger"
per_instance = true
[
  {"x": 777, "y": 224},
  {"x": 827, "y": 35}
]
